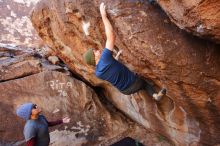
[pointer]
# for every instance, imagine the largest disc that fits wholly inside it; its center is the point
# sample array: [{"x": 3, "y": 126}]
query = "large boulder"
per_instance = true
[
  {"x": 26, "y": 76},
  {"x": 154, "y": 48},
  {"x": 59, "y": 95},
  {"x": 200, "y": 17}
]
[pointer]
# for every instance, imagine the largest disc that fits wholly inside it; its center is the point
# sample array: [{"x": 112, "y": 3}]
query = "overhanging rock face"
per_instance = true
[
  {"x": 154, "y": 48},
  {"x": 200, "y": 17}
]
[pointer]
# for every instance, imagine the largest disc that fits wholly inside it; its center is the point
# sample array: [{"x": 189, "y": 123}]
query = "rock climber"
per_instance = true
[
  {"x": 110, "y": 69},
  {"x": 36, "y": 131}
]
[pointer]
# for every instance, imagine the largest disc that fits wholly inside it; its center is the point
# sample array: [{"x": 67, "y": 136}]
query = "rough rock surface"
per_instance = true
[
  {"x": 154, "y": 48},
  {"x": 200, "y": 17},
  {"x": 90, "y": 121},
  {"x": 15, "y": 24},
  {"x": 26, "y": 76}
]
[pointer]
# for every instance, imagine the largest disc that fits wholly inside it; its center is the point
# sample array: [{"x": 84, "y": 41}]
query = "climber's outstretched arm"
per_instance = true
[{"x": 108, "y": 28}]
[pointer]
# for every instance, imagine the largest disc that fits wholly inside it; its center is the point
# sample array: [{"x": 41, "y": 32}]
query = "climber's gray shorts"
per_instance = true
[
  {"x": 139, "y": 84},
  {"x": 134, "y": 87}
]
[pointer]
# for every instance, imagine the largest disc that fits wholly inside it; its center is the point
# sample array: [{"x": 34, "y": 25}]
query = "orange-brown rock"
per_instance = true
[
  {"x": 16, "y": 63},
  {"x": 59, "y": 95},
  {"x": 25, "y": 76},
  {"x": 200, "y": 17},
  {"x": 154, "y": 48}
]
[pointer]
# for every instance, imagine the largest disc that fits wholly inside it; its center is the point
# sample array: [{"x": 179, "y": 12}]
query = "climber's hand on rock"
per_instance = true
[
  {"x": 102, "y": 10},
  {"x": 66, "y": 120},
  {"x": 118, "y": 54}
]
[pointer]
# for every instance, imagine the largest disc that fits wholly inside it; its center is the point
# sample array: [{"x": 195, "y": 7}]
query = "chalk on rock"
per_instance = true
[
  {"x": 53, "y": 59},
  {"x": 56, "y": 110},
  {"x": 85, "y": 26}
]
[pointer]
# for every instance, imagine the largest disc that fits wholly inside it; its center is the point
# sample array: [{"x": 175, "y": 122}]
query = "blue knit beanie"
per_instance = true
[{"x": 24, "y": 111}]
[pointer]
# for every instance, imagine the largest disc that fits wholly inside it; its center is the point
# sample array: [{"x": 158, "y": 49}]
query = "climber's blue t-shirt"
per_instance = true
[{"x": 113, "y": 71}]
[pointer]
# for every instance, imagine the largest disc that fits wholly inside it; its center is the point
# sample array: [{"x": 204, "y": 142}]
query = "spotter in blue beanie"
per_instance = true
[{"x": 24, "y": 111}]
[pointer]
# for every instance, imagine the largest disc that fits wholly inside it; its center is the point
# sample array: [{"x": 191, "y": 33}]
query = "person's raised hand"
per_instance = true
[
  {"x": 66, "y": 120},
  {"x": 102, "y": 10}
]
